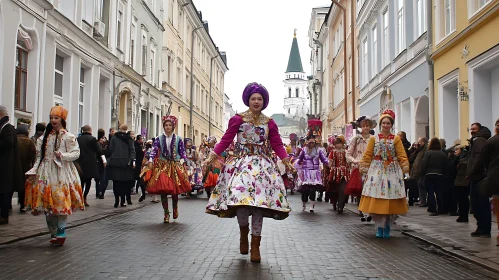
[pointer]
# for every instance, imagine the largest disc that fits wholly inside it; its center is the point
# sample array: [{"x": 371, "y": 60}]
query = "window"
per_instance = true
[
  {"x": 364, "y": 62},
  {"x": 169, "y": 70},
  {"x": 374, "y": 56},
  {"x": 151, "y": 75},
  {"x": 476, "y": 5},
  {"x": 421, "y": 17},
  {"x": 289, "y": 92},
  {"x": 87, "y": 10},
  {"x": 170, "y": 12},
  {"x": 133, "y": 35},
  {"x": 206, "y": 104},
  {"x": 59, "y": 74},
  {"x": 400, "y": 26},
  {"x": 21, "y": 76},
  {"x": 297, "y": 92},
  {"x": 187, "y": 86},
  {"x": 80, "y": 98},
  {"x": 385, "y": 46},
  {"x": 449, "y": 16},
  {"x": 144, "y": 55},
  {"x": 179, "y": 80},
  {"x": 99, "y": 8},
  {"x": 119, "y": 33}
]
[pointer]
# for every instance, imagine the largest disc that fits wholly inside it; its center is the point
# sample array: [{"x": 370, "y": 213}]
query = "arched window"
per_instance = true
[
  {"x": 24, "y": 45},
  {"x": 297, "y": 92},
  {"x": 289, "y": 92}
]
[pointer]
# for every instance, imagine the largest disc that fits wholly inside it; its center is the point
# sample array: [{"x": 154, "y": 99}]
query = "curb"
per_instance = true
[
  {"x": 77, "y": 223},
  {"x": 447, "y": 248}
]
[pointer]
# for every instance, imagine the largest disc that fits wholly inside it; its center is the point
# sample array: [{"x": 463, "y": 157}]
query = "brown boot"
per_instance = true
[
  {"x": 255, "y": 248},
  {"x": 243, "y": 240}
]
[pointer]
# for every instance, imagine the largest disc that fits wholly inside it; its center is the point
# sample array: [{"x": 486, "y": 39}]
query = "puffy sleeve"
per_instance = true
[
  {"x": 72, "y": 152},
  {"x": 181, "y": 149},
  {"x": 33, "y": 170},
  {"x": 323, "y": 157},
  {"x": 275, "y": 140},
  {"x": 231, "y": 132},
  {"x": 368, "y": 156},
  {"x": 351, "y": 150},
  {"x": 401, "y": 154}
]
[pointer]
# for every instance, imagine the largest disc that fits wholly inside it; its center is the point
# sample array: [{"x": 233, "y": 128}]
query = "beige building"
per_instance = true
[
  {"x": 338, "y": 85},
  {"x": 198, "y": 106}
]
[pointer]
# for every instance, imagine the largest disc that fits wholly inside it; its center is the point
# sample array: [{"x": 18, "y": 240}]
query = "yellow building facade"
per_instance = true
[{"x": 466, "y": 66}]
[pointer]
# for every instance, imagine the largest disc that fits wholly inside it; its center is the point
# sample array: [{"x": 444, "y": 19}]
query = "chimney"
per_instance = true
[
  {"x": 205, "y": 24},
  {"x": 223, "y": 55}
]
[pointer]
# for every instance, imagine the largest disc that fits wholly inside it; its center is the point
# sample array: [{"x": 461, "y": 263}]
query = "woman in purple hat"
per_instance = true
[{"x": 249, "y": 183}]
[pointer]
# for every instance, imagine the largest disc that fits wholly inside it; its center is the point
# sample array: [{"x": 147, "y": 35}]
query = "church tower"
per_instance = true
[{"x": 295, "y": 85}]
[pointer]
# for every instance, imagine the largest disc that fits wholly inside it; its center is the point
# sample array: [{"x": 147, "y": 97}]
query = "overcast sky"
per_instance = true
[{"x": 257, "y": 37}]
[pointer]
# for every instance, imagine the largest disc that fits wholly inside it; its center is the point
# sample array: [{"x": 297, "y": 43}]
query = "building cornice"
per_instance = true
[{"x": 152, "y": 15}]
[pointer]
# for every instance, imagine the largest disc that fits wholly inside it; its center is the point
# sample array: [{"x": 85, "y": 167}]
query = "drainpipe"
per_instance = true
[
  {"x": 431, "y": 92},
  {"x": 192, "y": 81},
  {"x": 345, "y": 94},
  {"x": 352, "y": 45},
  {"x": 209, "y": 101},
  {"x": 113, "y": 99}
]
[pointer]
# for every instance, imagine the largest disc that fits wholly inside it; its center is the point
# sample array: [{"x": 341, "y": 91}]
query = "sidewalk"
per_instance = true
[
  {"x": 446, "y": 234},
  {"x": 25, "y": 225}
]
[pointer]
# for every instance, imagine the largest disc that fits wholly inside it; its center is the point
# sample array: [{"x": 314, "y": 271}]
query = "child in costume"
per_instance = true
[{"x": 339, "y": 174}]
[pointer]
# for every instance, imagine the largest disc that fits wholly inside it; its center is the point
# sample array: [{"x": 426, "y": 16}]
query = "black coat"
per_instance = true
[
  {"x": 122, "y": 155},
  {"x": 139, "y": 157},
  {"x": 461, "y": 167},
  {"x": 11, "y": 172},
  {"x": 435, "y": 162},
  {"x": 89, "y": 151},
  {"x": 476, "y": 168},
  {"x": 491, "y": 163}
]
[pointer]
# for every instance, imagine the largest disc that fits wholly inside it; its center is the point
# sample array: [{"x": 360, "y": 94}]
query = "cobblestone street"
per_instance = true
[{"x": 137, "y": 245}]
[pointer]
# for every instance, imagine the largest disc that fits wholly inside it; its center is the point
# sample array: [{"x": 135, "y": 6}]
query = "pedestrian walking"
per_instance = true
[
  {"x": 193, "y": 168},
  {"x": 89, "y": 151},
  {"x": 480, "y": 204},
  {"x": 435, "y": 170},
  {"x": 120, "y": 164},
  {"x": 54, "y": 188},
  {"x": 210, "y": 171},
  {"x": 249, "y": 184},
  {"x": 339, "y": 174},
  {"x": 27, "y": 156},
  {"x": 386, "y": 165},
  {"x": 491, "y": 163},
  {"x": 167, "y": 162},
  {"x": 309, "y": 179},
  {"x": 11, "y": 171},
  {"x": 355, "y": 152}
]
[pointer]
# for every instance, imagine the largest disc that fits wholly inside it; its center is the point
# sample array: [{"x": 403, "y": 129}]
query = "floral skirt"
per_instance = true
[
  {"x": 168, "y": 177},
  {"x": 55, "y": 190},
  {"x": 249, "y": 181}
]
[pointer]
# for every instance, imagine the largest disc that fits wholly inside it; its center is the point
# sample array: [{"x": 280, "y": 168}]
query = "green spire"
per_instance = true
[{"x": 294, "y": 62}]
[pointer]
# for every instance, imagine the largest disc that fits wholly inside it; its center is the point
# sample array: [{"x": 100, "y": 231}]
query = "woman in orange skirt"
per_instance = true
[
  {"x": 212, "y": 170},
  {"x": 167, "y": 162},
  {"x": 385, "y": 163}
]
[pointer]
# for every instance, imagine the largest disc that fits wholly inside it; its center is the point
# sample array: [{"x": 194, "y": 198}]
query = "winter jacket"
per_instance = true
[
  {"x": 476, "y": 168},
  {"x": 11, "y": 172},
  {"x": 89, "y": 151},
  {"x": 122, "y": 155},
  {"x": 434, "y": 163},
  {"x": 461, "y": 167},
  {"x": 491, "y": 163},
  {"x": 417, "y": 166}
]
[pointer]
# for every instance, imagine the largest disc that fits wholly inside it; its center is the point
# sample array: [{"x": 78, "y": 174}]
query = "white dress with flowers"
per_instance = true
[{"x": 250, "y": 178}]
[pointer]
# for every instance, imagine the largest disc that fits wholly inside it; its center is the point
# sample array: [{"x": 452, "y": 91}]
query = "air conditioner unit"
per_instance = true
[{"x": 99, "y": 29}]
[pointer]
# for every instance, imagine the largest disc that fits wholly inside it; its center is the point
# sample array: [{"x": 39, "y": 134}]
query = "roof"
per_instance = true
[{"x": 294, "y": 62}]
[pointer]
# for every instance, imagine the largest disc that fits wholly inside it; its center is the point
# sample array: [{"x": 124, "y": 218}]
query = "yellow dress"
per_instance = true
[{"x": 385, "y": 163}]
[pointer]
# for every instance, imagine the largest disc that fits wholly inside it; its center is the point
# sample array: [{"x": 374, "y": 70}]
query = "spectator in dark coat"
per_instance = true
[
  {"x": 491, "y": 163},
  {"x": 139, "y": 157},
  {"x": 39, "y": 130},
  {"x": 89, "y": 151},
  {"x": 417, "y": 171},
  {"x": 102, "y": 182},
  {"x": 120, "y": 164},
  {"x": 27, "y": 155},
  {"x": 476, "y": 172},
  {"x": 11, "y": 171},
  {"x": 461, "y": 183},
  {"x": 434, "y": 167}
]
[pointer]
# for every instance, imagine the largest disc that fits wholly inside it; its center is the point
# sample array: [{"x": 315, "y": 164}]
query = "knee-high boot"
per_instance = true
[
  {"x": 243, "y": 240},
  {"x": 255, "y": 248}
]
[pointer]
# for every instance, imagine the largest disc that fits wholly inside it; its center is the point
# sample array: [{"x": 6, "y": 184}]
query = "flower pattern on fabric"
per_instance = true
[
  {"x": 384, "y": 177},
  {"x": 56, "y": 188},
  {"x": 250, "y": 178}
]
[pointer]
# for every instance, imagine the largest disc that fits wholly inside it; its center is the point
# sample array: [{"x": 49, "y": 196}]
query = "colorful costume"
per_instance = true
[
  {"x": 192, "y": 165},
  {"x": 309, "y": 179},
  {"x": 169, "y": 176},
  {"x": 385, "y": 163},
  {"x": 338, "y": 176},
  {"x": 211, "y": 171},
  {"x": 249, "y": 183},
  {"x": 56, "y": 189}
]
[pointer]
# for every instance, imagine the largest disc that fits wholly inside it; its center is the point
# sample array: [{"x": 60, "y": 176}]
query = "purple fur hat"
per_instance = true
[{"x": 255, "y": 88}]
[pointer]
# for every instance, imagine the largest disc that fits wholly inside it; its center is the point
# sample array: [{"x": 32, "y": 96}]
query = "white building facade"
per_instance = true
[
  {"x": 393, "y": 72},
  {"x": 99, "y": 59},
  {"x": 228, "y": 112}
]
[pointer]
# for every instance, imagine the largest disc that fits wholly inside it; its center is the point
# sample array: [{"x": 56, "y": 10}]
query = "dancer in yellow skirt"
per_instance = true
[{"x": 386, "y": 165}]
